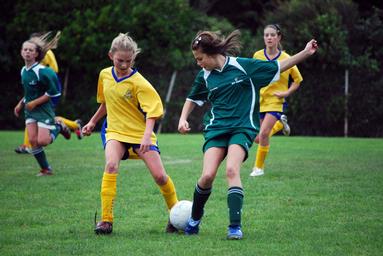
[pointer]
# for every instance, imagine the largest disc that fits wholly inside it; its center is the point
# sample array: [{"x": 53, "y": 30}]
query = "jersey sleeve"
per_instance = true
[
  {"x": 50, "y": 61},
  {"x": 149, "y": 100},
  {"x": 261, "y": 72},
  {"x": 199, "y": 92},
  {"x": 50, "y": 80},
  {"x": 296, "y": 75},
  {"x": 100, "y": 88}
]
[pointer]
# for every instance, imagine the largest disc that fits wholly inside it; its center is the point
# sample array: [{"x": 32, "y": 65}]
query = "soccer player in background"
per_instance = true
[
  {"x": 50, "y": 61},
  {"x": 132, "y": 106},
  {"x": 232, "y": 87},
  {"x": 40, "y": 85},
  {"x": 272, "y": 97}
]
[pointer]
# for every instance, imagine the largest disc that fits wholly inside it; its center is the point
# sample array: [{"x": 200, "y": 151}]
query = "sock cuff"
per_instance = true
[
  {"x": 203, "y": 191},
  {"x": 110, "y": 176},
  {"x": 264, "y": 148},
  {"x": 36, "y": 151},
  {"x": 235, "y": 190}
]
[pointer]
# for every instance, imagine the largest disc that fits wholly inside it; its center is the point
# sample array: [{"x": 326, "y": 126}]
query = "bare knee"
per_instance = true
[
  {"x": 45, "y": 141},
  {"x": 263, "y": 135},
  {"x": 160, "y": 179},
  {"x": 111, "y": 167},
  {"x": 207, "y": 179},
  {"x": 231, "y": 172}
]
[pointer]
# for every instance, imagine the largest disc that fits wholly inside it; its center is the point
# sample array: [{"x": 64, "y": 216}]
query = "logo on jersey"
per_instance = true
[
  {"x": 237, "y": 81},
  {"x": 128, "y": 95},
  {"x": 33, "y": 82}
]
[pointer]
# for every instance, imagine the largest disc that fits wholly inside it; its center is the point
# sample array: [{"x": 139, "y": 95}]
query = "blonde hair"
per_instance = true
[
  {"x": 213, "y": 43},
  {"x": 44, "y": 43},
  {"x": 123, "y": 42}
]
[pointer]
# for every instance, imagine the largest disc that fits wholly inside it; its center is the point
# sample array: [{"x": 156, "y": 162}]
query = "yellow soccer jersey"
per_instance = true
[
  {"x": 129, "y": 101},
  {"x": 50, "y": 61},
  {"x": 268, "y": 101}
]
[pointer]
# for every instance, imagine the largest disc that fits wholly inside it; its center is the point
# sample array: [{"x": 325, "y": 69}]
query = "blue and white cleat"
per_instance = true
[
  {"x": 192, "y": 227},
  {"x": 234, "y": 233}
]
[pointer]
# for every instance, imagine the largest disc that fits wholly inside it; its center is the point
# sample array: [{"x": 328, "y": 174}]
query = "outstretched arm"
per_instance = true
[
  {"x": 183, "y": 124},
  {"x": 309, "y": 50}
]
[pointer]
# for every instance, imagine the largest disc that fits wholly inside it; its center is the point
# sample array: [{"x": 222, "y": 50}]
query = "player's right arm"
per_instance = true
[
  {"x": 183, "y": 124},
  {"x": 18, "y": 107},
  {"x": 100, "y": 113}
]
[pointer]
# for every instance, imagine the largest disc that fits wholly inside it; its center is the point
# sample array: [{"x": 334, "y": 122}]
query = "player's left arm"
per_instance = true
[
  {"x": 309, "y": 50},
  {"x": 146, "y": 141},
  {"x": 36, "y": 102}
]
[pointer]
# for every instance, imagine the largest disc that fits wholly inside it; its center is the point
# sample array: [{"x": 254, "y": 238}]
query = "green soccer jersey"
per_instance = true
[
  {"x": 234, "y": 94},
  {"x": 37, "y": 81}
]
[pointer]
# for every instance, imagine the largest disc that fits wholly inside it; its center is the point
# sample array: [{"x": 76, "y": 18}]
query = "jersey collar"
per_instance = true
[
  {"x": 124, "y": 77},
  {"x": 276, "y": 57},
  {"x": 31, "y": 67},
  {"x": 224, "y": 65}
]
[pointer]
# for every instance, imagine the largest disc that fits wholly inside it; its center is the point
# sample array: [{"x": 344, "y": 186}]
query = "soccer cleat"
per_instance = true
[
  {"x": 170, "y": 228},
  {"x": 64, "y": 130},
  {"x": 234, "y": 233},
  {"x": 45, "y": 172},
  {"x": 103, "y": 228},
  {"x": 192, "y": 227},
  {"x": 256, "y": 172},
  {"x": 286, "y": 128},
  {"x": 78, "y": 131},
  {"x": 22, "y": 149}
]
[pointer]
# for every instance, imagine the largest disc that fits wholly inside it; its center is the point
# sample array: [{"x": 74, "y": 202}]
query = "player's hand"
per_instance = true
[
  {"x": 88, "y": 128},
  {"x": 30, "y": 106},
  {"x": 183, "y": 126},
  {"x": 311, "y": 47},
  {"x": 281, "y": 94},
  {"x": 17, "y": 110},
  {"x": 145, "y": 145}
]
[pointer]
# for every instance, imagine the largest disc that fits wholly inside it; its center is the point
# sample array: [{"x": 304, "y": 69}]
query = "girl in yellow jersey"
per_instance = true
[
  {"x": 272, "y": 97},
  {"x": 132, "y": 106}
]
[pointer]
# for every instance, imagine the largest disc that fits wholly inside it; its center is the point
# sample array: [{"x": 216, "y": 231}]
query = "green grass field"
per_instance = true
[{"x": 319, "y": 196}]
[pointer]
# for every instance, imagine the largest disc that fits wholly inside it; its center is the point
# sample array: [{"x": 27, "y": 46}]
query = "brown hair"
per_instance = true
[
  {"x": 213, "y": 43},
  {"x": 277, "y": 28}
]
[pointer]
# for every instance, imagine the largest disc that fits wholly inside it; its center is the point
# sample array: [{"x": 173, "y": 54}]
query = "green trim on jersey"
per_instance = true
[
  {"x": 37, "y": 81},
  {"x": 234, "y": 94}
]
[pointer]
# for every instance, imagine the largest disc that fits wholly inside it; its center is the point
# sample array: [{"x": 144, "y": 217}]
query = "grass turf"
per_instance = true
[{"x": 319, "y": 196}]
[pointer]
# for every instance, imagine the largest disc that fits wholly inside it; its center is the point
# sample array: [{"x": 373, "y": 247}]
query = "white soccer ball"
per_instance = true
[{"x": 180, "y": 214}]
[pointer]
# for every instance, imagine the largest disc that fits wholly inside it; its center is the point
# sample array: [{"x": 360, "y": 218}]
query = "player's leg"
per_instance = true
[
  {"x": 114, "y": 151},
  {"x": 37, "y": 150},
  {"x": 72, "y": 125},
  {"x": 264, "y": 145},
  {"x": 213, "y": 157},
  {"x": 237, "y": 153},
  {"x": 24, "y": 148},
  {"x": 153, "y": 161}
]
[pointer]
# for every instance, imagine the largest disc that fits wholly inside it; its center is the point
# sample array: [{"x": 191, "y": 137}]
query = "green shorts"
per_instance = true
[{"x": 243, "y": 139}]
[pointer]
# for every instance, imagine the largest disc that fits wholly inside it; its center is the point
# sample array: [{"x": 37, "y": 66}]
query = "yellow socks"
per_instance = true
[
  {"x": 278, "y": 126},
  {"x": 108, "y": 193},
  {"x": 72, "y": 125},
  {"x": 168, "y": 191},
  {"x": 26, "y": 140},
  {"x": 262, "y": 152}
]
